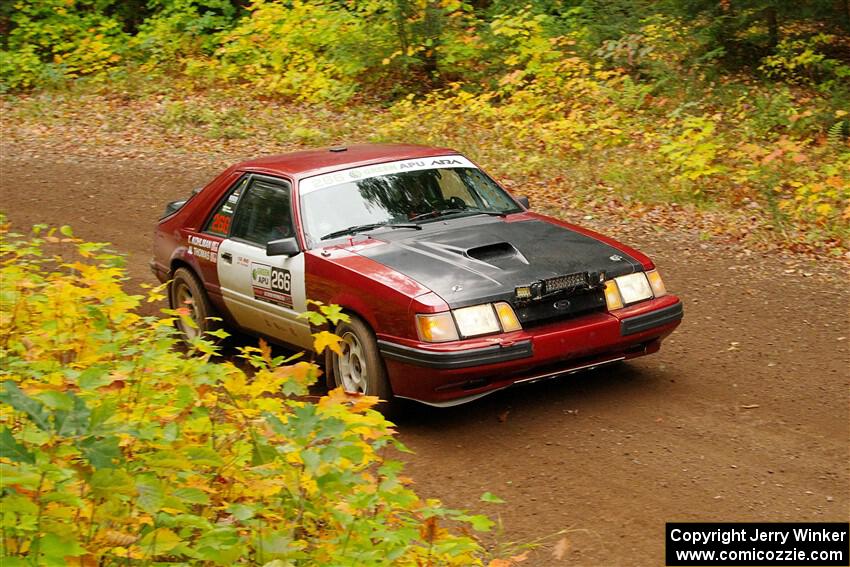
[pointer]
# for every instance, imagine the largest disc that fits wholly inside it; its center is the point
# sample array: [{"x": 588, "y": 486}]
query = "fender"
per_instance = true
[{"x": 376, "y": 293}]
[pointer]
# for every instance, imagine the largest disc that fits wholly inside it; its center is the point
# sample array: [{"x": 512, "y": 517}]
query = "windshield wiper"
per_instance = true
[
  {"x": 444, "y": 212},
  {"x": 361, "y": 227}
]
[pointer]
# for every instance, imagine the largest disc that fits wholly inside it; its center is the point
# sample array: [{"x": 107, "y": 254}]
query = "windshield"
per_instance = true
[{"x": 398, "y": 198}]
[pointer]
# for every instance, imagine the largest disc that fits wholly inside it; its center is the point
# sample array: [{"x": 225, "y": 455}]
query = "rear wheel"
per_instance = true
[
  {"x": 360, "y": 369},
  {"x": 188, "y": 292}
]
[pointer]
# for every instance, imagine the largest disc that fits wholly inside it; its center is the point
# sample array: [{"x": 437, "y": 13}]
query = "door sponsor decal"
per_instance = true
[
  {"x": 272, "y": 285},
  {"x": 203, "y": 248}
]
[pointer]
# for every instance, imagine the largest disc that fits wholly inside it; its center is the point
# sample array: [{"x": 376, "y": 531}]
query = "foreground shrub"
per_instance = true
[{"x": 117, "y": 448}]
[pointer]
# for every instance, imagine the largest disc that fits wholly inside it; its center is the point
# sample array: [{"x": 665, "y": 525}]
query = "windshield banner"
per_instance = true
[{"x": 367, "y": 171}]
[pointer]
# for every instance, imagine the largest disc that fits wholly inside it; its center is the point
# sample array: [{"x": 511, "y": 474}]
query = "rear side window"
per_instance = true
[
  {"x": 263, "y": 213},
  {"x": 219, "y": 223}
]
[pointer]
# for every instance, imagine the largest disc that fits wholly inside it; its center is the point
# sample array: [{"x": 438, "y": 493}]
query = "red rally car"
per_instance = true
[{"x": 454, "y": 288}]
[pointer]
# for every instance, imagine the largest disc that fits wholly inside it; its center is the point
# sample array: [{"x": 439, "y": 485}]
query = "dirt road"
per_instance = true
[{"x": 743, "y": 415}]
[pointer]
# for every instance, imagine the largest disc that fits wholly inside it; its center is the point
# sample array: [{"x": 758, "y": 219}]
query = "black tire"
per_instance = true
[
  {"x": 360, "y": 369},
  {"x": 186, "y": 290}
]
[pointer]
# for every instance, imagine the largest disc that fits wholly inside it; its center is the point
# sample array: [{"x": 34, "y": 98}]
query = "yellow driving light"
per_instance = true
[
  {"x": 523, "y": 292},
  {"x": 612, "y": 295},
  {"x": 507, "y": 317},
  {"x": 437, "y": 328},
  {"x": 656, "y": 283}
]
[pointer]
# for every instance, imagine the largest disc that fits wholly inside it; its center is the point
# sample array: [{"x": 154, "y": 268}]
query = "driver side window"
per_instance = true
[{"x": 263, "y": 213}]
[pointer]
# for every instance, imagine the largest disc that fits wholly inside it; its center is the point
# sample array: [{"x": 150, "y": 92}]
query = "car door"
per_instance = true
[{"x": 264, "y": 294}]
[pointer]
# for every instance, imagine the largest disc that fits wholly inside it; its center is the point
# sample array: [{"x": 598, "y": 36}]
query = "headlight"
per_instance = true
[
  {"x": 634, "y": 287},
  {"x": 477, "y": 320},
  {"x": 470, "y": 321}
]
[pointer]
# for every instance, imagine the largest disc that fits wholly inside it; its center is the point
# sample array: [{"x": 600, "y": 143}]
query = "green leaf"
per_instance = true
[
  {"x": 66, "y": 230},
  {"x": 262, "y": 453},
  {"x": 159, "y": 541},
  {"x": 478, "y": 522},
  {"x": 19, "y": 504},
  {"x": 204, "y": 456},
  {"x": 220, "y": 333},
  {"x": 191, "y": 495},
  {"x": 314, "y": 317},
  {"x": 241, "y": 512},
  {"x": 100, "y": 416},
  {"x": 334, "y": 313},
  {"x": 151, "y": 494},
  {"x": 15, "y": 397},
  {"x": 55, "y": 400},
  {"x": 491, "y": 498},
  {"x": 11, "y": 449},
  {"x": 220, "y": 538},
  {"x": 53, "y": 550},
  {"x": 93, "y": 378},
  {"x": 24, "y": 476},
  {"x": 101, "y": 452},
  {"x": 74, "y": 421}
]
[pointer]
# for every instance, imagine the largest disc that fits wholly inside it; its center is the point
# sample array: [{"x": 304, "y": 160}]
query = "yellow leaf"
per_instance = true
[
  {"x": 324, "y": 339},
  {"x": 356, "y": 402},
  {"x": 824, "y": 209},
  {"x": 265, "y": 350}
]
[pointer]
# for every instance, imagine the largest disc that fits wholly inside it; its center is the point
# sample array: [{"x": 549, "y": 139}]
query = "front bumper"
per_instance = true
[{"x": 453, "y": 373}]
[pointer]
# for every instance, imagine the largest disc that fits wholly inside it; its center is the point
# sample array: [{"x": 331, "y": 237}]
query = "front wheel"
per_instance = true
[
  {"x": 360, "y": 369},
  {"x": 188, "y": 292}
]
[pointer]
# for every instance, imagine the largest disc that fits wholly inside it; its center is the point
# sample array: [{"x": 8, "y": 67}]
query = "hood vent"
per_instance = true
[{"x": 496, "y": 253}]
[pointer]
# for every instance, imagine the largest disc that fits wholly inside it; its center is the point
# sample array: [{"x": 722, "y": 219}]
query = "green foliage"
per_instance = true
[
  {"x": 52, "y": 41},
  {"x": 182, "y": 29},
  {"x": 694, "y": 151},
  {"x": 308, "y": 50},
  {"x": 118, "y": 449},
  {"x": 802, "y": 61}
]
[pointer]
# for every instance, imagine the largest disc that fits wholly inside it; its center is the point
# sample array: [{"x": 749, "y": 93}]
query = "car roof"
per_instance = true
[{"x": 308, "y": 163}]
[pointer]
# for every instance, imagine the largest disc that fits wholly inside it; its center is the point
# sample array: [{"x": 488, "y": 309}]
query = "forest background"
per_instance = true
[{"x": 735, "y": 111}]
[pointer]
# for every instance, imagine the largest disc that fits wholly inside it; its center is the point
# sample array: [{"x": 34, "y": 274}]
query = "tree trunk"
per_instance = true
[
  {"x": 772, "y": 27},
  {"x": 432, "y": 27}
]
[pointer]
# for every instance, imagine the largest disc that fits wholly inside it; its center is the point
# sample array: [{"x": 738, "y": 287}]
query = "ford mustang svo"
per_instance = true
[{"x": 454, "y": 288}]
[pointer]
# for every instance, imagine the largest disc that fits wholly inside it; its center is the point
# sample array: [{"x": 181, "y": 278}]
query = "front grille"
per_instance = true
[{"x": 560, "y": 306}]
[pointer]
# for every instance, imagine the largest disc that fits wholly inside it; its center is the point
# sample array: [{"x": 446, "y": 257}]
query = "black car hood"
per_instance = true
[{"x": 475, "y": 260}]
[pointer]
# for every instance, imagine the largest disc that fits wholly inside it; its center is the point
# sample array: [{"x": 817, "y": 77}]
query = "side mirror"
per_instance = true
[
  {"x": 283, "y": 247},
  {"x": 524, "y": 202}
]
